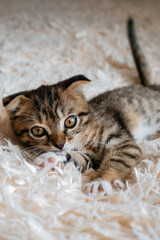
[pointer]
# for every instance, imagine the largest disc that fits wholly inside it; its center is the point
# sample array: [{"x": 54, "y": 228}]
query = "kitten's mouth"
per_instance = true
[{"x": 57, "y": 151}]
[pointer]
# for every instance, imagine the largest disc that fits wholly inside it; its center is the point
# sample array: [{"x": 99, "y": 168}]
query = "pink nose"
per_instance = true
[{"x": 60, "y": 145}]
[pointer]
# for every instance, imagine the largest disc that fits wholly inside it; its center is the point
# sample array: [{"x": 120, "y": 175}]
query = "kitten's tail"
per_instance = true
[{"x": 139, "y": 57}]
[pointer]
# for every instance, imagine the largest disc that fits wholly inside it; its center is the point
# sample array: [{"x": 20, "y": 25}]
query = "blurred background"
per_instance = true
[{"x": 44, "y": 41}]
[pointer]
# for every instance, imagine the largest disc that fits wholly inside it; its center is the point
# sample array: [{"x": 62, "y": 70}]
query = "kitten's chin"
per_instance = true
[{"x": 52, "y": 149}]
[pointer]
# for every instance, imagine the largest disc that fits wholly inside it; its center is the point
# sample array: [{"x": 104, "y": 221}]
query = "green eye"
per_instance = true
[
  {"x": 71, "y": 121},
  {"x": 38, "y": 131}
]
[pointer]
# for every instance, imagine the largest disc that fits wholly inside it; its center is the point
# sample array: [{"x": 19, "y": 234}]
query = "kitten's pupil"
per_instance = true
[{"x": 39, "y": 130}]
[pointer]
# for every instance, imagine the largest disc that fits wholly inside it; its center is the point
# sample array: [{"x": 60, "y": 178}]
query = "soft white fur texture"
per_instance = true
[{"x": 47, "y": 41}]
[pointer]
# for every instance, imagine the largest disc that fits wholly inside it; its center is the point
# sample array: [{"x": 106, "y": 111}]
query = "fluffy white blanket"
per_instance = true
[{"x": 47, "y": 41}]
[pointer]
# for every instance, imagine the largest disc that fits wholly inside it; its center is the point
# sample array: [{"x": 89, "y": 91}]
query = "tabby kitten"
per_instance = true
[{"x": 102, "y": 134}]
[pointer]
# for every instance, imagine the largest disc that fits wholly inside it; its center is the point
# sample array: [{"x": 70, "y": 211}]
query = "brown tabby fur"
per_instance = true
[{"x": 105, "y": 137}]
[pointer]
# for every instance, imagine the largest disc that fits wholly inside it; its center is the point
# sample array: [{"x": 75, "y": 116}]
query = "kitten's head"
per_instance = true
[{"x": 49, "y": 117}]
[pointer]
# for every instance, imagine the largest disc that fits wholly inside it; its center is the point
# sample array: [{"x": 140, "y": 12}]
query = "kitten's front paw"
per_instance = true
[
  {"x": 118, "y": 185},
  {"x": 50, "y": 157},
  {"x": 102, "y": 186},
  {"x": 97, "y": 187}
]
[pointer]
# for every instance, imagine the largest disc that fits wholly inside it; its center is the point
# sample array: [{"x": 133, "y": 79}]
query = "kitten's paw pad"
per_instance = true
[
  {"x": 118, "y": 185},
  {"x": 50, "y": 157},
  {"x": 56, "y": 162},
  {"x": 98, "y": 187}
]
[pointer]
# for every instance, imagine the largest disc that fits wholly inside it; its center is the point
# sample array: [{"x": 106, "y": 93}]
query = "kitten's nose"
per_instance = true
[{"x": 60, "y": 145}]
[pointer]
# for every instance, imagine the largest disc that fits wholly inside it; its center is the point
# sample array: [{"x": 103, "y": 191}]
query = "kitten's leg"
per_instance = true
[
  {"x": 80, "y": 159},
  {"x": 83, "y": 160},
  {"x": 116, "y": 167}
]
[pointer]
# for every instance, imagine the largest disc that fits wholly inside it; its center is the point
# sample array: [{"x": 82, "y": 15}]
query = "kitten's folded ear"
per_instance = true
[
  {"x": 13, "y": 101},
  {"x": 74, "y": 85},
  {"x": 79, "y": 79}
]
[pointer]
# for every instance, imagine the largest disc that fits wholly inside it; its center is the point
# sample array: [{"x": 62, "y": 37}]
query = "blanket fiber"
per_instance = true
[{"x": 43, "y": 42}]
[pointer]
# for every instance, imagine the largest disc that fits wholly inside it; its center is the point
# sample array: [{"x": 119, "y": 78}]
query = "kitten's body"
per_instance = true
[
  {"x": 137, "y": 106},
  {"x": 107, "y": 129}
]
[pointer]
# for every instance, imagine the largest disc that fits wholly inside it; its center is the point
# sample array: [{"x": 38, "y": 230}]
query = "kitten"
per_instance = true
[{"x": 101, "y": 134}]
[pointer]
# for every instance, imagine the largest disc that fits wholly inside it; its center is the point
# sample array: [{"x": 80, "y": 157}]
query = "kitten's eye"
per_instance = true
[
  {"x": 38, "y": 131},
  {"x": 71, "y": 121}
]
